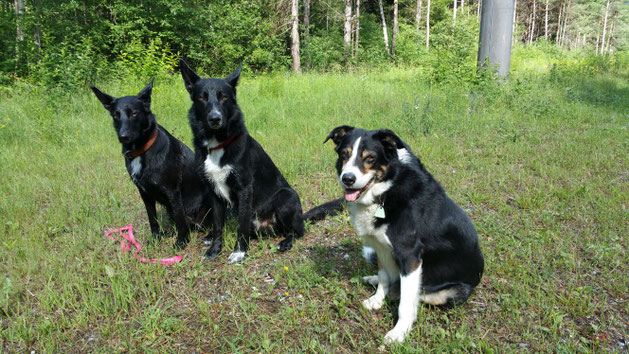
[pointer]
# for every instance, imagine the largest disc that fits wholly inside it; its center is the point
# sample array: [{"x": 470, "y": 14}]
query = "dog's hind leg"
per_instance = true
[
  {"x": 151, "y": 212},
  {"x": 288, "y": 210}
]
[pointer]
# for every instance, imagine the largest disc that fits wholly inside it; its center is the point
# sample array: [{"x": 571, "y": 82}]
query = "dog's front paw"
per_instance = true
[
  {"x": 373, "y": 303},
  {"x": 285, "y": 244},
  {"x": 394, "y": 336},
  {"x": 235, "y": 257},
  {"x": 180, "y": 244},
  {"x": 208, "y": 240},
  {"x": 213, "y": 251}
]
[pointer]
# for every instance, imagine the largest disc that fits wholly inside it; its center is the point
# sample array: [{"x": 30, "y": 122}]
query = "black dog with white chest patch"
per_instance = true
[
  {"x": 162, "y": 167},
  {"x": 240, "y": 171},
  {"x": 421, "y": 237}
]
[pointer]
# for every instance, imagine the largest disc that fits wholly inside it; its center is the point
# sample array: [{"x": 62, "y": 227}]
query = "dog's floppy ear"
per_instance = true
[
  {"x": 338, "y": 133},
  {"x": 390, "y": 141},
  {"x": 145, "y": 94},
  {"x": 104, "y": 98},
  {"x": 189, "y": 76},
  {"x": 232, "y": 79}
]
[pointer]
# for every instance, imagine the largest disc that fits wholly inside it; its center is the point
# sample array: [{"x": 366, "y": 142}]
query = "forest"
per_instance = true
[{"x": 72, "y": 43}]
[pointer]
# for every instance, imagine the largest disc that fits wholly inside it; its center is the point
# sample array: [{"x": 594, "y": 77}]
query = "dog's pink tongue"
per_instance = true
[{"x": 351, "y": 194}]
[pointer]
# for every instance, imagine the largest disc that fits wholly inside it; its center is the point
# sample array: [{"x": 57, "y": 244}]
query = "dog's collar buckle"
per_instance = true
[
  {"x": 131, "y": 154},
  {"x": 223, "y": 144}
]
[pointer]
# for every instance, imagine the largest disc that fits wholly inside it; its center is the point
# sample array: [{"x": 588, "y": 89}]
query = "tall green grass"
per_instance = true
[{"x": 540, "y": 163}]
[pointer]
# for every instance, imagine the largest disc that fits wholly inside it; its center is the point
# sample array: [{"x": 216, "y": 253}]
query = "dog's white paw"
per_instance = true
[
  {"x": 235, "y": 257},
  {"x": 371, "y": 280},
  {"x": 394, "y": 336},
  {"x": 373, "y": 303}
]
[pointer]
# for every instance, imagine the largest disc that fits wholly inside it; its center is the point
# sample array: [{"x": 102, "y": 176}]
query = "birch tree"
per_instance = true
[
  {"x": 347, "y": 28},
  {"x": 395, "y": 26},
  {"x": 294, "y": 48},
  {"x": 418, "y": 14},
  {"x": 384, "y": 27},
  {"x": 427, "y": 24},
  {"x": 604, "y": 28}
]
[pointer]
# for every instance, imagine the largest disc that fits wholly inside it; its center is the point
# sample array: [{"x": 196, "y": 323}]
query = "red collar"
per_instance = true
[
  {"x": 223, "y": 144},
  {"x": 143, "y": 149}
]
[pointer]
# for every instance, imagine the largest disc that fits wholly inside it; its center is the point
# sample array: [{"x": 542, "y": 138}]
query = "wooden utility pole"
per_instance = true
[{"x": 494, "y": 43}]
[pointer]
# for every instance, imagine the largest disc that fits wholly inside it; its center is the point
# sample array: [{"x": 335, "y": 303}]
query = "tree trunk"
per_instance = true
[
  {"x": 515, "y": 11},
  {"x": 532, "y": 22},
  {"x": 598, "y": 38},
  {"x": 37, "y": 29},
  {"x": 454, "y": 13},
  {"x": 19, "y": 32},
  {"x": 462, "y": 6},
  {"x": 384, "y": 27},
  {"x": 561, "y": 5},
  {"x": 604, "y": 28},
  {"x": 306, "y": 17},
  {"x": 395, "y": 26},
  {"x": 347, "y": 29},
  {"x": 612, "y": 27},
  {"x": 546, "y": 22},
  {"x": 357, "y": 28},
  {"x": 565, "y": 23},
  {"x": 418, "y": 14},
  {"x": 294, "y": 48},
  {"x": 427, "y": 23}
]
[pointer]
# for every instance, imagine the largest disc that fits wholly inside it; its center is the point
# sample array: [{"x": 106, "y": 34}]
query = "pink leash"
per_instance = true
[{"x": 127, "y": 234}]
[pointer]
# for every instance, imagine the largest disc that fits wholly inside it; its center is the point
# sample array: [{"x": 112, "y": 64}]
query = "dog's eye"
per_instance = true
[
  {"x": 370, "y": 159},
  {"x": 201, "y": 98},
  {"x": 116, "y": 115},
  {"x": 344, "y": 155},
  {"x": 224, "y": 98},
  {"x": 133, "y": 114}
]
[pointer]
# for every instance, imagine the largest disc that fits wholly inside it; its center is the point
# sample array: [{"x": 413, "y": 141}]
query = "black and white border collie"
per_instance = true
[{"x": 421, "y": 237}]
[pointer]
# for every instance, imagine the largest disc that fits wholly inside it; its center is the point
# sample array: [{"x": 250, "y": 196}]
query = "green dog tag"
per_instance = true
[{"x": 379, "y": 212}]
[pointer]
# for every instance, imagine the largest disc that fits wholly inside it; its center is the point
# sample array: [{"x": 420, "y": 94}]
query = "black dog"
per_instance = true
[
  {"x": 240, "y": 171},
  {"x": 420, "y": 236},
  {"x": 162, "y": 167}
]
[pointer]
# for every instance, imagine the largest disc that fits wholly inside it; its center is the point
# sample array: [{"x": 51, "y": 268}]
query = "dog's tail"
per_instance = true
[{"x": 320, "y": 212}]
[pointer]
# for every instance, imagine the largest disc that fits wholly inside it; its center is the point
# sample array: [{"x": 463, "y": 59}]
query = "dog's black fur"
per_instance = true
[
  {"x": 421, "y": 231},
  {"x": 166, "y": 173},
  {"x": 241, "y": 173}
]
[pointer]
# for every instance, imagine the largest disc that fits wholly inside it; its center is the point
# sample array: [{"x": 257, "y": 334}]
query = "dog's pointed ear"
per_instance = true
[
  {"x": 189, "y": 76},
  {"x": 232, "y": 79},
  {"x": 104, "y": 98},
  {"x": 338, "y": 133},
  {"x": 145, "y": 94},
  {"x": 390, "y": 141}
]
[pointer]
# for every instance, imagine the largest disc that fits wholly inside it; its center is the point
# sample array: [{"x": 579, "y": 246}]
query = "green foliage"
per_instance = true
[
  {"x": 147, "y": 62},
  {"x": 454, "y": 50}
]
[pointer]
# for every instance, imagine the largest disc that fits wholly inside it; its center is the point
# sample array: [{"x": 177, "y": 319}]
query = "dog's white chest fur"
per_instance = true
[
  {"x": 363, "y": 219},
  {"x": 216, "y": 173},
  {"x": 135, "y": 167}
]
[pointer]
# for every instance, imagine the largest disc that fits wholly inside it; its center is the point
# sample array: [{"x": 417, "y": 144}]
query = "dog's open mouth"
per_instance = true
[{"x": 351, "y": 195}]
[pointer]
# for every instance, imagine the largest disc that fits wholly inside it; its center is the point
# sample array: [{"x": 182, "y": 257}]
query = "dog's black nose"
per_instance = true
[
  {"x": 348, "y": 179},
  {"x": 123, "y": 138},
  {"x": 214, "y": 118}
]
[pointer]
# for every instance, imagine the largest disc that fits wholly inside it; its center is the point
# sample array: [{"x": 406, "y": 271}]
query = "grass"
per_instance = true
[{"x": 540, "y": 164}]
